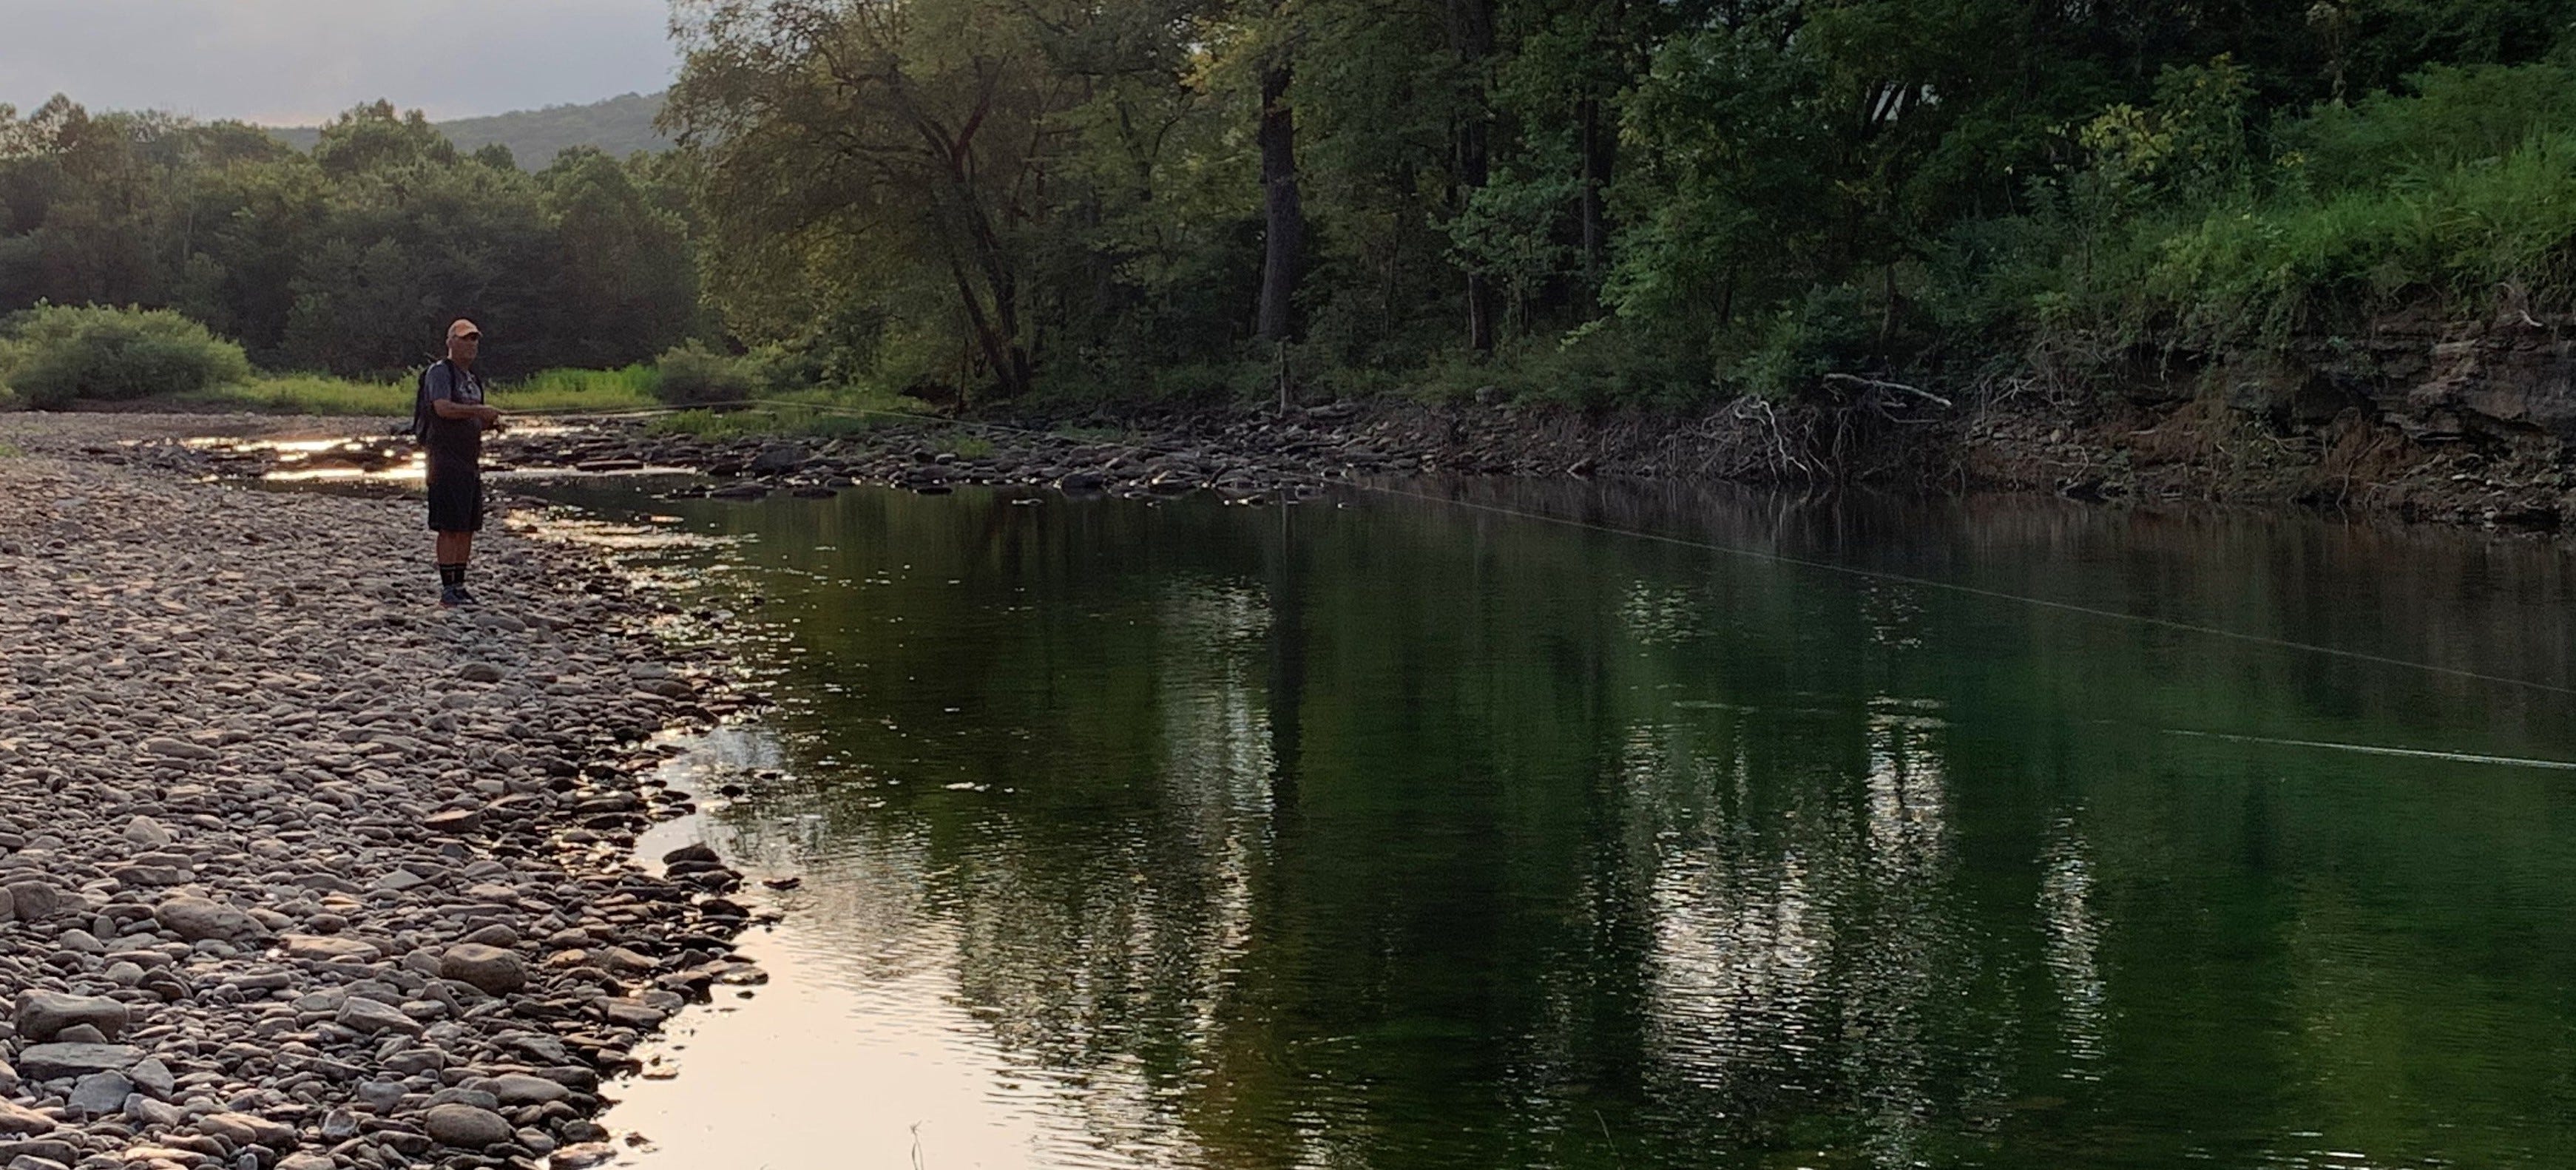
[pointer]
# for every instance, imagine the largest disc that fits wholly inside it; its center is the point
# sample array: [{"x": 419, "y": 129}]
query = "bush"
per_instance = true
[
  {"x": 64, "y": 352},
  {"x": 692, "y": 375}
]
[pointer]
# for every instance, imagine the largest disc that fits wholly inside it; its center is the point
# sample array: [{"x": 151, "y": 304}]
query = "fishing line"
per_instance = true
[
  {"x": 2378, "y": 750},
  {"x": 1754, "y": 554}
]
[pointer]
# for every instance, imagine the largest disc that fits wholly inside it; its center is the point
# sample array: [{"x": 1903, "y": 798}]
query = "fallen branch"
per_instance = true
[{"x": 1877, "y": 384}]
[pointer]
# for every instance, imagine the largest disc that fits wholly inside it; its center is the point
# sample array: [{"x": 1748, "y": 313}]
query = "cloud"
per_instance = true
[{"x": 286, "y": 62}]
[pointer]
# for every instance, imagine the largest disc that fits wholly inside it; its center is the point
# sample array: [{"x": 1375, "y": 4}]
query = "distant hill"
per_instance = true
[{"x": 620, "y": 126}]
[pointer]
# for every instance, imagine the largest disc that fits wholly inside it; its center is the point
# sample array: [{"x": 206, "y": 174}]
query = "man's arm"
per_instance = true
[
  {"x": 452, "y": 410},
  {"x": 442, "y": 400}
]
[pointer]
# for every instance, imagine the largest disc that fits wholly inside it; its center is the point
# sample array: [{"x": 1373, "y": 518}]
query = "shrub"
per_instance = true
[
  {"x": 65, "y": 352},
  {"x": 693, "y": 375}
]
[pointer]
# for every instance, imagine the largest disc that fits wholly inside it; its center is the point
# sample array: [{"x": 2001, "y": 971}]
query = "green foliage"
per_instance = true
[
  {"x": 819, "y": 415},
  {"x": 63, "y": 353},
  {"x": 318, "y": 394},
  {"x": 1582, "y": 200},
  {"x": 352, "y": 260},
  {"x": 693, "y": 375}
]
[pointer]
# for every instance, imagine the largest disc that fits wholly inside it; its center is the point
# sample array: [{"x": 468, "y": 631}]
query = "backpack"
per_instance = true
[{"x": 418, "y": 432}]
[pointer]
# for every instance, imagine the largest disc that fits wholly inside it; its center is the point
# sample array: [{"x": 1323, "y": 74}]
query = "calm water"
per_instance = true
[{"x": 1399, "y": 834}]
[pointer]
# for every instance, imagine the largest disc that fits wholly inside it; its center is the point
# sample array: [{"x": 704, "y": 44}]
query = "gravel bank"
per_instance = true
[{"x": 298, "y": 870}]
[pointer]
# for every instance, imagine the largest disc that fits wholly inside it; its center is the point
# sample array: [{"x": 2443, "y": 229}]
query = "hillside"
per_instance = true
[{"x": 620, "y": 126}]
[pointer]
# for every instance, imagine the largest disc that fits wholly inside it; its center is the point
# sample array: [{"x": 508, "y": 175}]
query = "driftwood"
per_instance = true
[{"x": 1880, "y": 384}]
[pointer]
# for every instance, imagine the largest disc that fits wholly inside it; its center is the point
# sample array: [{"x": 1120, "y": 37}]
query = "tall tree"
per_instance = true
[{"x": 1283, "y": 214}]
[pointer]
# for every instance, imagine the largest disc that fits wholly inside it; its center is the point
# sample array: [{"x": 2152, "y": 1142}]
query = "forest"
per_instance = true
[{"x": 1597, "y": 201}]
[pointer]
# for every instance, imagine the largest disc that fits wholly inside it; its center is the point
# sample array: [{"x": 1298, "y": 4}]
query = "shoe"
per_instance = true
[
  {"x": 451, "y": 596},
  {"x": 463, "y": 597}
]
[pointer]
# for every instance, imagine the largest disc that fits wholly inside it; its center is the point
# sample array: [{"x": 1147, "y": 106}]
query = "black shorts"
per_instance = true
[{"x": 455, "y": 495}]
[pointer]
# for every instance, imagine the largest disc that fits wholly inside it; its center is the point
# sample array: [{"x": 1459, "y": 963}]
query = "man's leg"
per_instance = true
[{"x": 454, "y": 549}]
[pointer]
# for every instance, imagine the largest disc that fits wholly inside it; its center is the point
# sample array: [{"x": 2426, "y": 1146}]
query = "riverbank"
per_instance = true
[
  {"x": 301, "y": 871},
  {"x": 2421, "y": 427}
]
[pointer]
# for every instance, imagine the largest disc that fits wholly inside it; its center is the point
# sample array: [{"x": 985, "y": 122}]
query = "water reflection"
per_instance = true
[{"x": 1397, "y": 836}]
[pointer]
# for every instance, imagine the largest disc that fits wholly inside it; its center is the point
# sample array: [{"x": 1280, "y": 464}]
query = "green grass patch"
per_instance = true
[
  {"x": 625, "y": 388},
  {"x": 9, "y": 450},
  {"x": 815, "y": 414},
  {"x": 548, "y": 391},
  {"x": 309, "y": 394}
]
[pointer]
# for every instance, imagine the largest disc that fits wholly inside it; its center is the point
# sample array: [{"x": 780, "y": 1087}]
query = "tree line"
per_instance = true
[
  {"x": 1614, "y": 200},
  {"x": 350, "y": 258},
  {"x": 1610, "y": 199}
]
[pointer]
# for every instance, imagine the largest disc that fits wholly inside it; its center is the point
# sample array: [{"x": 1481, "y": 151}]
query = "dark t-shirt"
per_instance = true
[{"x": 453, "y": 440}]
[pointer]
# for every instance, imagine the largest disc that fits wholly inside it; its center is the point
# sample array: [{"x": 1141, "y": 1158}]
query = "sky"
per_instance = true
[{"x": 298, "y": 62}]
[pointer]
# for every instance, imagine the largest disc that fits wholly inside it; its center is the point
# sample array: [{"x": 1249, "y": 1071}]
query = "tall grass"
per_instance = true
[
  {"x": 547, "y": 391},
  {"x": 2301, "y": 263}
]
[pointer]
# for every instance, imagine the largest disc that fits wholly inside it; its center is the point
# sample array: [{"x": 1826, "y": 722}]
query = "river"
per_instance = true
[{"x": 1714, "y": 829}]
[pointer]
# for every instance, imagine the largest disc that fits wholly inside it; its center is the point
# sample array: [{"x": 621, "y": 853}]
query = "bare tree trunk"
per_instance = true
[
  {"x": 1284, "y": 234},
  {"x": 1599, "y": 151},
  {"x": 1471, "y": 33}
]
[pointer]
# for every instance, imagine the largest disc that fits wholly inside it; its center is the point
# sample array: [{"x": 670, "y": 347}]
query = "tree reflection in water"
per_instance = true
[{"x": 1394, "y": 835}]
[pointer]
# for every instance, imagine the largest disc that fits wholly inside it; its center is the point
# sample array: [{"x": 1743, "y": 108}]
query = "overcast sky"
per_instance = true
[{"x": 296, "y": 62}]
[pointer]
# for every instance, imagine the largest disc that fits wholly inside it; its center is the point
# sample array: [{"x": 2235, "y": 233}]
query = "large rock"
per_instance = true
[
  {"x": 694, "y": 853},
  {"x": 154, "y": 1077},
  {"x": 329, "y": 949},
  {"x": 42, "y": 1015},
  {"x": 177, "y": 749},
  {"x": 34, "y": 901},
  {"x": 466, "y": 1127},
  {"x": 454, "y": 822},
  {"x": 488, "y": 969},
  {"x": 370, "y": 1017},
  {"x": 20, "y": 1121},
  {"x": 514, "y": 1089},
  {"x": 244, "y": 1129},
  {"x": 196, "y": 920},
  {"x": 45, "y": 1062},
  {"x": 101, "y": 1094},
  {"x": 779, "y": 457}
]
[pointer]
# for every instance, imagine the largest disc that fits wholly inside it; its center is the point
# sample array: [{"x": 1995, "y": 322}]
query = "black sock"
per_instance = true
[{"x": 452, "y": 576}]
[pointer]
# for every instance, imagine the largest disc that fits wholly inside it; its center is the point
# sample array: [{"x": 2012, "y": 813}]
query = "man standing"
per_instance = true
[{"x": 452, "y": 433}]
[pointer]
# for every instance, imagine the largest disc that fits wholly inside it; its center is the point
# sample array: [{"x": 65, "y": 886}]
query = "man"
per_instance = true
[{"x": 452, "y": 432}]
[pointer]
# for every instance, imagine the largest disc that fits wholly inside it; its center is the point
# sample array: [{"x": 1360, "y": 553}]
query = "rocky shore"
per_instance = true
[
  {"x": 2447, "y": 464},
  {"x": 300, "y": 871}
]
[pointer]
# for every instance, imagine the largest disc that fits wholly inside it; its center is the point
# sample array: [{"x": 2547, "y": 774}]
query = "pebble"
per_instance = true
[{"x": 268, "y": 875}]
